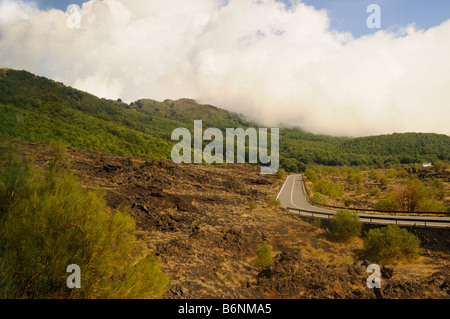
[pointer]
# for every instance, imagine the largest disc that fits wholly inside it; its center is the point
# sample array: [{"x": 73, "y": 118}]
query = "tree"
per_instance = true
[
  {"x": 290, "y": 164},
  {"x": 49, "y": 222},
  {"x": 263, "y": 256},
  {"x": 412, "y": 194}
]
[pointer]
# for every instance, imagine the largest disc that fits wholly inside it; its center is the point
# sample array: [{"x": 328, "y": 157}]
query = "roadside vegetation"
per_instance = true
[
  {"x": 407, "y": 188},
  {"x": 345, "y": 225},
  {"x": 281, "y": 174},
  {"x": 385, "y": 245},
  {"x": 272, "y": 202}
]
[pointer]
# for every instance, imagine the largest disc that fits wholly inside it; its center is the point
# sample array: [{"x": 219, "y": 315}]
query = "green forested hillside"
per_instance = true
[
  {"x": 380, "y": 151},
  {"x": 37, "y": 109}
]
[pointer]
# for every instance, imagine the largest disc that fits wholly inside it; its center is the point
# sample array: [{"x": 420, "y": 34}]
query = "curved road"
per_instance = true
[{"x": 292, "y": 195}]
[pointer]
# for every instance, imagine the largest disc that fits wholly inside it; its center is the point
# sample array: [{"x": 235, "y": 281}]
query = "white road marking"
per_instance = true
[
  {"x": 292, "y": 193},
  {"x": 284, "y": 184}
]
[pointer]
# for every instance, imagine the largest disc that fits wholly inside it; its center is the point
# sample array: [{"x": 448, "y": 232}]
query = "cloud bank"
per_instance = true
[{"x": 272, "y": 63}]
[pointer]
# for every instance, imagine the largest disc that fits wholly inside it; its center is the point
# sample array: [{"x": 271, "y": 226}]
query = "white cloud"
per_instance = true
[{"x": 253, "y": 57}]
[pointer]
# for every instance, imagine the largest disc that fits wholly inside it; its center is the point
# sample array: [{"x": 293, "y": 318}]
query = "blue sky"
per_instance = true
[{"x": 351, "y": 15}]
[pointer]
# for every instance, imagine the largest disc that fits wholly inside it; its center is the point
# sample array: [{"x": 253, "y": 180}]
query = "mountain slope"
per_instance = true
[{"x": 37, "y": 109}]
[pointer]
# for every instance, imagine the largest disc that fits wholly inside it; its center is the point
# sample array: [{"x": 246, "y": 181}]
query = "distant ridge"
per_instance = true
[{"x": 36, "y": 109}]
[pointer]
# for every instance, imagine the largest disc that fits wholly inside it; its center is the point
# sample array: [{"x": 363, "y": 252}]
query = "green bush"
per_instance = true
[
  {"x": 263, "y": 256},
  {"x": 401, "y": 173},
  {"x": 391, "y": 244},
  {"x": 438, "y": 189},
  {"x": 432, "y": 205},
  {"x": 360, "y": 189},
  {"x": 48, "y": 222},
  {"x": 281, "y": 174},
  {"x": 252, "y": 205},
  {"x": 311, "y": 175},
  {"x": 317, "y": 198},
  {"x": 273, "y": 202},
  {"x": 374, "y": 175},
  {"x": 387, "y": 204},
  {"x": 356, "y": 177},
  {"x": 344, "y": 225},
  {"x": 347, "y": 203},
  {"x": 438, "y": 165},
  {"x": 374, "y": 191},
  {"x": 329, "y": 188},
  {"x": 390, "y": 173}
]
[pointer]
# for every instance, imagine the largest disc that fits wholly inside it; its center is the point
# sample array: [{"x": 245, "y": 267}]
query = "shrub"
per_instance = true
[
  {"x": 252, "y": 205},
  {"x": 360, "y": 189},
  {"x": 329, "y": 188},
  {"x": 355, "y": 177},
  {"x": 273, "y": 202},
  {"x": 263, "y": 256},
  {"x": 391, "y": 244},
  {"x": 317, "y": 198},
  {"x": 344, "y": 225},
  {"x": 402, "y": 173},
  {"x": 374, "y": 191},
  {"x": 438, "y": 189},
  {"x": 387, "y": 204},
  {"x": 281, "y": 174},
  {"x": 440, "y": 165},
  {"x": 311, "y": 175},
  {"x": 390, "y": 173},
  {"x": 384, "y": 182},
  {"x": 374, "y": 175},
  {"x": 347, "y": 203},
  {"x": 49, "y": 221},
  {"x": 432, "y": 205}
]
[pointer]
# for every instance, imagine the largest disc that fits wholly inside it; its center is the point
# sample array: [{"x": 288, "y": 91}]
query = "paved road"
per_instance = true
[{"x": 292, "y": 195}]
